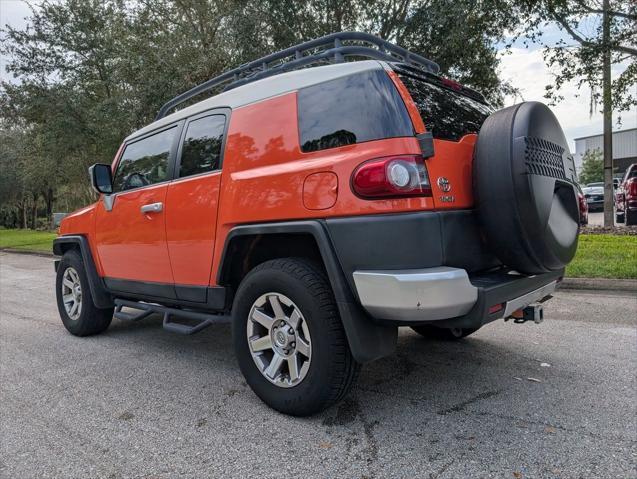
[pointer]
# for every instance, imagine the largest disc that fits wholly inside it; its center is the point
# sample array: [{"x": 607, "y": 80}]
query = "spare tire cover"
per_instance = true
[{"x": 524, "y": 188}]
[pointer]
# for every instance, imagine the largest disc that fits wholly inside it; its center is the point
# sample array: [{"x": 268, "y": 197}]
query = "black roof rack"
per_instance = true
[{"x": 328, "y": 49}]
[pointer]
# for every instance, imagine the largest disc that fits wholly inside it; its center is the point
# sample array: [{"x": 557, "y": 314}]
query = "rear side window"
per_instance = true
[
  {"x": 353, "y": 109},
  {"x": 447, "y": 114},
  {"x": 145, "y": 162},
  {"x": 201, "y": 151}
]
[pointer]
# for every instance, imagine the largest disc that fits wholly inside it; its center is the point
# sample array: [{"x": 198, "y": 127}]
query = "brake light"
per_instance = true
[{"x": 393, "y": 176}]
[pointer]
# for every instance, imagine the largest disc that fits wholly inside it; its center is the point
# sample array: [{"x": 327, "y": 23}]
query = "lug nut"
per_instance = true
[
  {"x": 291, "y": 331},
  {"x": 293, "y": 344}
]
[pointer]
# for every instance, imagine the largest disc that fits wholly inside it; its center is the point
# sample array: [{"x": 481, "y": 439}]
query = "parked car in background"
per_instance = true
[
  {"x": 626, "y": 198},
  {"x": 583, "y": 206},
  {"x": 594, "y": 194}
]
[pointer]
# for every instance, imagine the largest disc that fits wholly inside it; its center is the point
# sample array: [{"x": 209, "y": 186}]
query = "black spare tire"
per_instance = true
[{"x": 524, "y": 187}]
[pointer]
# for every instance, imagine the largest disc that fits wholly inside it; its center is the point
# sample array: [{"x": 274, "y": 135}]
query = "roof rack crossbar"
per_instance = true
[{"x": 331, "y": 49}]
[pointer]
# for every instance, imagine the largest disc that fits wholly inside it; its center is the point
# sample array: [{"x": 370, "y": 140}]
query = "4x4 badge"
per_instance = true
[{"x": 444, "y": 185}]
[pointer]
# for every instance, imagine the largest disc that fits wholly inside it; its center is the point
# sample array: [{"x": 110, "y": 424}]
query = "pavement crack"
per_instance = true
[
  {"x": 440, "y": 471},
  {"x": 462, "y": 406}
]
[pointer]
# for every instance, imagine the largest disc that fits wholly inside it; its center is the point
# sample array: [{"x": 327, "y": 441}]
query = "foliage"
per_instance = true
[
  {"x": 605, "y": 256},
  {"x": 90, "y": 72},
  {"x": 580, "y": 59},
  {"x": 592, "y": 167}
]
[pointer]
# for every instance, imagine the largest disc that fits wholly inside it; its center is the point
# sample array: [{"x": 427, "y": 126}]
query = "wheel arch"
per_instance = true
[
  {"x": 368, "y": 340},
  {"x": 79, "y": 243}
]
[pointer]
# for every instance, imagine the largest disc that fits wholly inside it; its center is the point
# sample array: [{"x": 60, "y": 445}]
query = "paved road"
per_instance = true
[{"x": 140, "y": 402}]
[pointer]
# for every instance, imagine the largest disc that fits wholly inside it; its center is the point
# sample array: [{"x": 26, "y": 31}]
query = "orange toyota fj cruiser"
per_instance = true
[{"x": 321, "y": 204}]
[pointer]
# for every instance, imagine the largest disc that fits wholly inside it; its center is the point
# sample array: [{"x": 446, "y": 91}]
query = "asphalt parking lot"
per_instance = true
[{"x": 516, "y": 401}]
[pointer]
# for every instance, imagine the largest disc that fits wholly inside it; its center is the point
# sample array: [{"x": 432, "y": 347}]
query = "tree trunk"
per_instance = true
[
  {"x": 609, "y": 193},
  {"x": 25, "y": 213},
  {"x": 49, "y": 203},
  {"x": 48, "y": 196},
  {"x": 34, "y": 213}
]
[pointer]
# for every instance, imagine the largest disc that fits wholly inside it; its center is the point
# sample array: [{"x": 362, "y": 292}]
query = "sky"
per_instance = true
[{"x": 523, "y": 67}]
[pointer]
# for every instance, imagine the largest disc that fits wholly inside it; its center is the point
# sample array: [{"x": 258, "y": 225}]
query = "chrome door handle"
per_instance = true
[{"x": 152, "y": 208}]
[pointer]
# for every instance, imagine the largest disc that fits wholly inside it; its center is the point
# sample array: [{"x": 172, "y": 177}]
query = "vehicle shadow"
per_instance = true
[{"x": 441, "y": 376}]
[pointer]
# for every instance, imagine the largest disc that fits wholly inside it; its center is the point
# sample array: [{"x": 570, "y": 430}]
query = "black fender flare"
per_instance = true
[
  {"x": 100, "y": 295},
  {"x": 367, "y": 339}
]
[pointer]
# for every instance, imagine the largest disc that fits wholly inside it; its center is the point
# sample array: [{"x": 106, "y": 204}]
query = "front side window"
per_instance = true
[
  {"x": 145, "y": 162},
  {"x": 201, "y": 151},
  {"x": 356, "y": 108}
]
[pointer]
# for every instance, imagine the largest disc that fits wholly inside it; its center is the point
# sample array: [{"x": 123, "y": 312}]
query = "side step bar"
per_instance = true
[{"x": 146, "y": 309}]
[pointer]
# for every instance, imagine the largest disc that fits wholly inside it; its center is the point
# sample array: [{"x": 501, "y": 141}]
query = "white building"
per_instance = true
[{"x": 624, "y": 148}]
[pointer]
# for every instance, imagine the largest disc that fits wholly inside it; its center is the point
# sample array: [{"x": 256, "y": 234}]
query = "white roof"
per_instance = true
[{"x": 266, "y": 88}]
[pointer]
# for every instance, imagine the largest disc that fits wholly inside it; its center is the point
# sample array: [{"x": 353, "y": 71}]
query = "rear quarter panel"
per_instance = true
[{"x": 264, "y": 171}]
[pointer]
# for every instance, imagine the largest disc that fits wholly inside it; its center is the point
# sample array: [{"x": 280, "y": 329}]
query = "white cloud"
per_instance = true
[{"x": 526, "y": 70}]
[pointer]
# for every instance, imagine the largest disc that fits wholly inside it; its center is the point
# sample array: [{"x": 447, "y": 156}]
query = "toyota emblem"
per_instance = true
[{"x": 444, "y": 185}]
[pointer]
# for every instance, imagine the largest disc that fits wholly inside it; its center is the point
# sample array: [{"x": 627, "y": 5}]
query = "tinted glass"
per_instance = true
[
  {"x": 361, "y": 107},
  {"x": 448, "y": 115},
  {"x": 202, "y": 145},
  {"x": 145, "y": 162}
]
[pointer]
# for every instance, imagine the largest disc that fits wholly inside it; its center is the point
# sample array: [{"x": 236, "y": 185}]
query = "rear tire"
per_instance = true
[
  {"x": 631, "y": 217},
  {"x": 620, "y": 218},
  {"x": 445, "y": 334},
  {"x": 79, "y": 314},
  {"x": 322, "y": 373}
]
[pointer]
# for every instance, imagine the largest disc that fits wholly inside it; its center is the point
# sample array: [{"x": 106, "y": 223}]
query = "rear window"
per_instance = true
[
  {"x": 201, "y": 151},
  {"x": 447, "y": 114},
  {"x": 353, "y": 109}
]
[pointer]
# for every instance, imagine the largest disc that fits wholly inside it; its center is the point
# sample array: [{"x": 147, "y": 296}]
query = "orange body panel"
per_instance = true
[
  {"x": 132, "y": 245},
  {"x": 264, "y": 171},
  {"x": 414, "y": 114},
  {"x": 191, "y": 220},
  {"x": 320, "y": 191},
  {"x": 265, "y": 177},
  {"x": 82, "y": 222},
  {"x": 453, "y": 161}
]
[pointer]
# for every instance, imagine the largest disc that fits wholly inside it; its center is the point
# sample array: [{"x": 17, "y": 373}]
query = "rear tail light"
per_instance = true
[{"x": 393, "y": 176}]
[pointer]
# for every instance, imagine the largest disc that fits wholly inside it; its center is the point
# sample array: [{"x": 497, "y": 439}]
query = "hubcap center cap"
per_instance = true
[{"x": 281, "y": 338}]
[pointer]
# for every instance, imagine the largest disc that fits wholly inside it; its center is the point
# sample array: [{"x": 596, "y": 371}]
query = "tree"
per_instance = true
[
  {"x": 602, "y": 34},
  {"x": 592, "y": 167},
  {"x": 89, "y": 72}
]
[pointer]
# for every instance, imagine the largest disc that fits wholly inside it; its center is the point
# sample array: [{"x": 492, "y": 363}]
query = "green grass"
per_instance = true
[
  {"x": 27, "y": 240},
  {"x": 598, "y": 255},
  {"x": 605, "y": 256}
]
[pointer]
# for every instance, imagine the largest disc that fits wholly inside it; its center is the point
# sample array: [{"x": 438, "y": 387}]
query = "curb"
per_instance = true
[
  {"x": 582, "y": 284},
  {"x": 599, "y": 284},
  {"x": 44, "y": 254}
]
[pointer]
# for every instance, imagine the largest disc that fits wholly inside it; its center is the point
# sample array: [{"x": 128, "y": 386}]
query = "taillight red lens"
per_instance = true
[{"x": 392, "y": 176}]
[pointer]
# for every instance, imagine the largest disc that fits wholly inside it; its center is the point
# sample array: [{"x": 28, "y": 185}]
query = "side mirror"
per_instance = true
[{"x": 101, "y": 178}]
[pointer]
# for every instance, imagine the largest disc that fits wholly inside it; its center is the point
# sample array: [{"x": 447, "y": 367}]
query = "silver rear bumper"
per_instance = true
[
  {"x": 416, "y": 294},
  {"x": 430, "y": 294}
]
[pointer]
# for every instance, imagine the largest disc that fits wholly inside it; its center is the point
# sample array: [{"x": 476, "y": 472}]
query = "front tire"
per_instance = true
[
  {"x": 631, "y": 217},
  {"x": 79, "y": 314},
  {"x": 445, "y": 334},
  {"x": 289, "y": 339}
]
